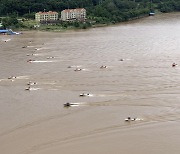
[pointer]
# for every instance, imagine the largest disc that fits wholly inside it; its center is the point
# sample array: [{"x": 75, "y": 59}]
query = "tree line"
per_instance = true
[{"x": 104, "y": 8}]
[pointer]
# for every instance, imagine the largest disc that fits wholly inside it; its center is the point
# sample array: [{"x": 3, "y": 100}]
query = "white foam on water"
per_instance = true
[
  {"x": 41, "y": 61},
  {"x": 38, "y": 49},
  {"x": 49, "y": 83},
  {"x": 78, "y": 104},
  {"x": 75, "y": 66},
  {"x": 33, "y": 89},
  {"x": 85, "y": 69},
  {"x": 22, "y": 77},
  {"x": 6, "y": 40}
]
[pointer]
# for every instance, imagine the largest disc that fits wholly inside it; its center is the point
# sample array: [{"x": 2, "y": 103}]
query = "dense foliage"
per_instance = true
[
  {"x": 100, "y": 11},
  {"x": 98, "y": 7}
]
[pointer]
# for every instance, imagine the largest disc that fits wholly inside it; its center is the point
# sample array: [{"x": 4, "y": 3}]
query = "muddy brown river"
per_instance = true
[{"x": 137, "y": 80}]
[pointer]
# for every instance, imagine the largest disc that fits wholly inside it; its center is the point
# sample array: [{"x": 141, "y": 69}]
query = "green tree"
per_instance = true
[{"x": 9, "y": 21}]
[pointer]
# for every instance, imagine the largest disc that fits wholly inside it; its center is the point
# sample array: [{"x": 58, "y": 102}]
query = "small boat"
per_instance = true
[
  {"x": 68, "y": 104},
  {"x": 78, "y": 69},
  {"x": 130, "y": 119},
  {"x": 83, "y": 95},
  {"x": 29, "y": 88},
  {"x": 103, "y": 66},
  {"x": 30, "y": 83},
  {"x": 12, "y": 77},
  {"x": 50, "y": 57},
  {"x": 9, "y": 32},
  {"x": 30, "y": 60},
  {"x": 174, "y": 64},
  {"x": 151, "y": 14}
]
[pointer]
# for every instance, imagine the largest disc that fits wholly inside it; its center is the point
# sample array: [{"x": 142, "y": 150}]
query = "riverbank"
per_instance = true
[{"x": 67, "y": 26}]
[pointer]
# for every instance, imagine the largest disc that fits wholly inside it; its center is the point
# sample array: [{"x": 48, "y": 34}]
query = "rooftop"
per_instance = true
[
  {"x": 50, "y": 12},
  {"x": 70, "y": 10}
]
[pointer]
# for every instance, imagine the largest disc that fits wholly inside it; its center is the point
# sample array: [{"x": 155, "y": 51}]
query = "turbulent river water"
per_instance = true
[{"x": 138, "y": 81}]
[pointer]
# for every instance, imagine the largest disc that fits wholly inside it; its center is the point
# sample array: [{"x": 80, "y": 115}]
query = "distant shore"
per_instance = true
[{"x": 59, "y": 28}]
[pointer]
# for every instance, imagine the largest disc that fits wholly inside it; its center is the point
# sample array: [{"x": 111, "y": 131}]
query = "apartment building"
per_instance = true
[
  {"x": 46, "y": 16},
  {"x": 73, "y": 14}
]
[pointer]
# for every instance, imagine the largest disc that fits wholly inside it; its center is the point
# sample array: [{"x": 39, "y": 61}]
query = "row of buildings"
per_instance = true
[{"x": 66, "y": 15}]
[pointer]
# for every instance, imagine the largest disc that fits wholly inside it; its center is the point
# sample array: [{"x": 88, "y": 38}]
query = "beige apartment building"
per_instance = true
[
  {"x": 73, "y": 14},
  {"x": 46, "y": 16}
]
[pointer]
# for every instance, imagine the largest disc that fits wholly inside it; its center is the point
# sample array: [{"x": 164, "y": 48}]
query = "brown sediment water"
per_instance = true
[{"x": 138, "y": 81}]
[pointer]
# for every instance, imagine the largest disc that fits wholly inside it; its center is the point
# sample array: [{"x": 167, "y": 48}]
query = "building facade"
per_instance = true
[
  {"x": 46, "y": 16},
  {"x": 73, "y": 14}
]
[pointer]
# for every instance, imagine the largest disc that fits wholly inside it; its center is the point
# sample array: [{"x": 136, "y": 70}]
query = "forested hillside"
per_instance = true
[{"x": 105, "y": 8}]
